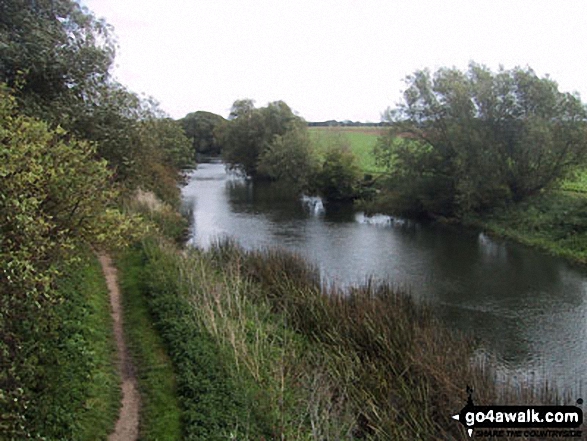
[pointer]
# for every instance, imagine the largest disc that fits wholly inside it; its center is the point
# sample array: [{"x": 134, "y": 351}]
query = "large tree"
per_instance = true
[
  {"x": 55, "y": 53},
  {"x": 250, "y": 131},
  {"x": 55, "y": 56},
  {"x": 203, "y": 130},
  {"x": 463, "y": 141}
]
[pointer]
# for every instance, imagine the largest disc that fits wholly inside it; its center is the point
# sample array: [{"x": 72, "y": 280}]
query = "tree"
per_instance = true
[
  {"x": 164, "y": 150},
  {"x": 203, "y": 129},
  {"x": 339, "y": 176},
  {"x": 250, "y": 131},
  {"x": 465, "y": 141},
  {"x": 54, "y": 53},
  {"x": 289, "y": 159}
]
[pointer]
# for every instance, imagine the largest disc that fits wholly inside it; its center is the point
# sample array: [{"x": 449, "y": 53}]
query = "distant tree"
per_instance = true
[
  {"x": 203, "y": 130},
  {"x": 339, "y": 176},
  {"x": 289, "y": 159},
  {"x": 466, "y": 141},
  {"x": 250, "y": 131}
]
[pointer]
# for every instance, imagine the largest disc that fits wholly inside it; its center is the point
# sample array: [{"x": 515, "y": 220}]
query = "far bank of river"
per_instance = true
[{"x": 529, "y": 309}]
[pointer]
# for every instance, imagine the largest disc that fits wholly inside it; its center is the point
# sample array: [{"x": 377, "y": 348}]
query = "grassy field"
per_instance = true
[
  {"x": 361, "y": 140},
  {"x": 578, "y": 184}
]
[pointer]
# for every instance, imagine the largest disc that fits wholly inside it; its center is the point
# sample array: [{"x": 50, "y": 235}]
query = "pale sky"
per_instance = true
[{"x": 328, "y": 59}]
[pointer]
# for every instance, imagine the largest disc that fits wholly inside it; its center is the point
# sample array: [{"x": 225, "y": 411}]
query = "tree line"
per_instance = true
[{"x": 458, "y": 143}]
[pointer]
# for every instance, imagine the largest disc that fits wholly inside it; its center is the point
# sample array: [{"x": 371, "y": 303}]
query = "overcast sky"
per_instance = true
[{"x": 327, "y": 59}]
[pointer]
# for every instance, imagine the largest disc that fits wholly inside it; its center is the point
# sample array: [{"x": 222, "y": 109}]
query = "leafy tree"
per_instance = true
[
  {"x": 55, "y": 53},
  {"x": 466, "y": 141},
  {"x": 168, "y": 139},
  {"x": 339, "y": 176},
  {"x": 202, "y": 129},
  {"x": 164, "y": 150},
  {"x": 289, "y": 159},
  {"x": 250, "y": 131}
]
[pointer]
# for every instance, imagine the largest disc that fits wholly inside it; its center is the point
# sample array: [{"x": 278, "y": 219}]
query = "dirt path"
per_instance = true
[{"x": 127, "y": 426}]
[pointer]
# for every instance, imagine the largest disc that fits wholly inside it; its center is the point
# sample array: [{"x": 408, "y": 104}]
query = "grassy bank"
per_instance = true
[
  {"x": 77, "y": 392},
  {"x": 262, "y": 351},
  {"x": 553, "y": 221},
  {"x": 160, "y": 414}
]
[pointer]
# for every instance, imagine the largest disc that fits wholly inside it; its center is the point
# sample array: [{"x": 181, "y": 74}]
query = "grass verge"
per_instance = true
[
  {"x": 79, "y": 394},
  {"x": 160, "y": 413}
]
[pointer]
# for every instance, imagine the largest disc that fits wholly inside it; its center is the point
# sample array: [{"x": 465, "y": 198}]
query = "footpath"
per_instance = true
[{"x": 127, "y": 426}]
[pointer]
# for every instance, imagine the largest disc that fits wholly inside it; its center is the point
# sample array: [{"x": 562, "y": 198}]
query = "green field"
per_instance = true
[
  {"x": 577, "y": 184},
  {"x": 361, "y": 140}
]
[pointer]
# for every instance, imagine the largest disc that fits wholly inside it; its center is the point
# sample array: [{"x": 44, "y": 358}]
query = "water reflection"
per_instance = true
[{"x": 528, "y": 308}]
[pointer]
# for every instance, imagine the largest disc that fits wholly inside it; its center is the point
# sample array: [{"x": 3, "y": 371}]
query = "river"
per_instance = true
[{"x": 528, "y": 309}]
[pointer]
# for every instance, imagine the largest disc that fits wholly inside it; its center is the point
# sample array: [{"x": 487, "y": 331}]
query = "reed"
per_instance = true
[{"x": 314, "y": 362}]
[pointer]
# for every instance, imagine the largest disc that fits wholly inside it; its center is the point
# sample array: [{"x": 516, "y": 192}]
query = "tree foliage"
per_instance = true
[
  {"x": 465, "y": 141},
  {"x": 203, "y": 130},
  {"x": 250, "y": 131},
  {"x": 339, "y": 176},
  {"x": 56, "y": 54},
  {"x": 56, "y": 57},
  {"x": 289, "y": 159}
]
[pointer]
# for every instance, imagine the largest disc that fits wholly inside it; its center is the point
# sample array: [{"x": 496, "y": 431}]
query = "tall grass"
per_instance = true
[{"x": 275, "y": 355}]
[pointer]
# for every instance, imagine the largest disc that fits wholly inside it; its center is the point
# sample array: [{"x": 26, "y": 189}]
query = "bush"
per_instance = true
[{"x": 339, "y": 177}]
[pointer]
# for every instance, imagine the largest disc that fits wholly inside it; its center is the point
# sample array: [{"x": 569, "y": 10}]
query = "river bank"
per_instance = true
[
  {"x": 553, "y": 221},
  {"x": 260, "y": 348}
]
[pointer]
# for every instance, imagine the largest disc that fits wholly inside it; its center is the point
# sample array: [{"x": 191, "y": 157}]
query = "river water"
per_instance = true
[{"x": 529, "y": 309}]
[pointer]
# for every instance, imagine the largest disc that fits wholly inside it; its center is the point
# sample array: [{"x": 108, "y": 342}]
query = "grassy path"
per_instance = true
[{"x": 127, "y": 426}]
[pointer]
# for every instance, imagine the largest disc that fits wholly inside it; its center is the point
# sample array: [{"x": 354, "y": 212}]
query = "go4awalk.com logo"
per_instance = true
[{"x": 521, "y": 421}]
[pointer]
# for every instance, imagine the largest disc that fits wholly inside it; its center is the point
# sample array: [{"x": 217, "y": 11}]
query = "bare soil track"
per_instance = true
[{"x": 127, "y": 426}]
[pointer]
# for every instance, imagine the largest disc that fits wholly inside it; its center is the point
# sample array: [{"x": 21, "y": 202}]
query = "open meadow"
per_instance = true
[{"x": 361, "y": 141}]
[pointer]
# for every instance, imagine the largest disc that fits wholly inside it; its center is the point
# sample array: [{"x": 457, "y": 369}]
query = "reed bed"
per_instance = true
[{"x": 288, "y": 358}]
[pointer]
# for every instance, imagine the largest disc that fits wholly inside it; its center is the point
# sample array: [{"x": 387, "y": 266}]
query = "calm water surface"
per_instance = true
[{"x": 529, "y": 309}]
